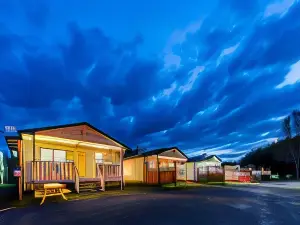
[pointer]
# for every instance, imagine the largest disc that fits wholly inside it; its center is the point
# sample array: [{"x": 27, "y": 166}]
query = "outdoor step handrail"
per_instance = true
[
  {"x": 99, "y": 174},
  {"x": 76, "y": 178}
]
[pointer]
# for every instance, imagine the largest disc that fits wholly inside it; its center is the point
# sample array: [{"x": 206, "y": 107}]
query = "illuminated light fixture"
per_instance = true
[
  {"x": 172, "y": 158},
  {"x": 98, "y": 145},
  {"x": 75, "y": 142},
  {"x": 27, "y": 137},
  {"x": 55, "y": 139}
]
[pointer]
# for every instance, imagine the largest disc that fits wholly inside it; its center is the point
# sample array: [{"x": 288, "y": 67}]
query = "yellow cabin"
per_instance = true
[{"x": 69, "y": 154}]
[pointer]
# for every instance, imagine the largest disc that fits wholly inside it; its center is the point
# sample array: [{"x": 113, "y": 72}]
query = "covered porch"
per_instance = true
[
  {"x": 159, "y": 166},
  {"x": 163, "y": 170},
  {"x": 74, "y": 155}
]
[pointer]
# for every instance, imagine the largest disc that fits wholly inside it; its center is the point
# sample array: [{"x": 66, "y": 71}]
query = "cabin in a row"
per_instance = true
[
  {"x": 159, "y": 166},
  {"x": 84, "y": 157},
  {"x": 77, "y": 155}
]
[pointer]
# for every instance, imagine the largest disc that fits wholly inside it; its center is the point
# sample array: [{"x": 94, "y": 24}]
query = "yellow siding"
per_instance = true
[
  {"x": 133, "y": 169},
  {"x": 27, "y": 150},
  {"x": 37, "y": 152},
  {"x": 190, "y": 171},
  {"x": 108, "y": 155},
  {"x": 90, "y": 163}
]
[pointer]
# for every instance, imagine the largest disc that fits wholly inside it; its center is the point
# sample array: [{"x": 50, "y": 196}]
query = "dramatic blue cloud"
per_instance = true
[{"x": 213, "y": 77}]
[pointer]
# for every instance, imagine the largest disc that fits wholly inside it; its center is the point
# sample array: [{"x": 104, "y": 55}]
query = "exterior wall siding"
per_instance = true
[
  {"x": 190, "y": 171},
  {"x": 173, "y": 153},
  {"x": 133, "y": 169},
  {"x": 108, "y": 155}
]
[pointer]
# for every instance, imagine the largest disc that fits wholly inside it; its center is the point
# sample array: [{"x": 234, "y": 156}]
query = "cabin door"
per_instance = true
[{"x": 81, "y": 164}]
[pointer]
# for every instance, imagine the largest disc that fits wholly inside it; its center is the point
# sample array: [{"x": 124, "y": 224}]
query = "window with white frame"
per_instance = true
[
  {"x": 98, "y": 157},
  {"x": 56, "y": 155},
  {"x": 59, "y": 156},
  {"x": 46, "y": 154}
]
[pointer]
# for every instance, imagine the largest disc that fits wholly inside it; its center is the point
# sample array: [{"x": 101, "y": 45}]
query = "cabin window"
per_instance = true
[
  {"x": 171, "y": 165},
  {"x": 59, "y": 156},
  {"x": 56, "y": 155},
  {"x": 98, "y": 157},
  {"x": 46, "y": 154},
  {"x": 151, "y": 165},
  {"x": 163, "y": 164}
]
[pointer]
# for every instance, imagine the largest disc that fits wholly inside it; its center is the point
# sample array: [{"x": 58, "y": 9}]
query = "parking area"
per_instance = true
[
  {"x": 282, "y": 184},
  {"x": 206, "y": 205}
]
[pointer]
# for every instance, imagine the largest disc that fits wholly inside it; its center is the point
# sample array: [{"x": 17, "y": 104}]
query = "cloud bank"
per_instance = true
[{"x": 220, "y": 84}]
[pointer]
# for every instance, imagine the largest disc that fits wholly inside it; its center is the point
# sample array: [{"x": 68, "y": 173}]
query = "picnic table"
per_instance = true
[{"x": 53, "y": 189}]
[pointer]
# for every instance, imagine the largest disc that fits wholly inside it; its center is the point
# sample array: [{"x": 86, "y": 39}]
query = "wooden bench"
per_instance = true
[{"x": 53, "y": 189}]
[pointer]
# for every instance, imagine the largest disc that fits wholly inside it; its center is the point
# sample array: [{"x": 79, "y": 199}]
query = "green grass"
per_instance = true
[
  {"x": 28, "y": 198},
  {"x": 181, "y": 185},
  {"x": 7, "y": 185},
  {"x": 230, "y": 183}
]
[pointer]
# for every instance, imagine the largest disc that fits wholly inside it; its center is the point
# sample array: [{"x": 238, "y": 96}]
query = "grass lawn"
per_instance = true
[
  {"x": 181, "y": 185},
  {"x": 7, "y": 185},
  {"x": 28, "y": 199},
  {"x": 230, "y": 183}
]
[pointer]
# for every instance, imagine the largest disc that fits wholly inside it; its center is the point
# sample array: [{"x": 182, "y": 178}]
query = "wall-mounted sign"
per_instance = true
[
  {"x": 17, "y": 172},
  {"x": 10, "y": 129}
]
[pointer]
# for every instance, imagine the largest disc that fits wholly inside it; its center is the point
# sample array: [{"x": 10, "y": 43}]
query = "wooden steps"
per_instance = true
[{"x": 89, "y": 186}]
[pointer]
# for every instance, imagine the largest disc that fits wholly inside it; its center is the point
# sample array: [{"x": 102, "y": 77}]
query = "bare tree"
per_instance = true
[
  {"x": 296, "y": 123},
  {"x": 288, "y": 132}
]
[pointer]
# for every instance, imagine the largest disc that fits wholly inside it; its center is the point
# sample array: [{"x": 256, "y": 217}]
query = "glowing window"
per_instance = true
[
  {"x": 46, "y": 154},
  {"x": 171, "y": 164},
  {"x": 98, "y": 157}
]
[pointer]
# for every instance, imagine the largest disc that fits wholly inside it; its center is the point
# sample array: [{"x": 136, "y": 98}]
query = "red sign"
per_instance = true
[
  {"x": 17, "y": 173},
  {"x": 246, "y": 179}
]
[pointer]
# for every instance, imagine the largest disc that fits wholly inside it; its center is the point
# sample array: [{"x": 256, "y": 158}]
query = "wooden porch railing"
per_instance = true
[
  {"x": 109, "y": 172},
  {"x": 49, "y": 171}
]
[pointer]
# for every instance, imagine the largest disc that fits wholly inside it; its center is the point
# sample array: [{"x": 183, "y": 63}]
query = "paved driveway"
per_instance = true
[
  {"x": 280, "y": 184},
  {"x": 207, "y": 205}
]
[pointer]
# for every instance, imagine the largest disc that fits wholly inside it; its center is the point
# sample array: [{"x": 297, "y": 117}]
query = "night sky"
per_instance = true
[{"x": 206, "y": 76}]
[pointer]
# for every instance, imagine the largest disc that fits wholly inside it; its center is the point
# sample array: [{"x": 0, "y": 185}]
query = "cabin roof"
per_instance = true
[
  {"x": 136, "y": 153},
  {"x": 12, "y": 142},
  {"x": 33, "y": 130},
  {"x": 203, "y": 158}
]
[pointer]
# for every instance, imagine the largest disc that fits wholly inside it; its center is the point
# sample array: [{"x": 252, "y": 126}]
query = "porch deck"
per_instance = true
[{"x": 42, "y": 172}]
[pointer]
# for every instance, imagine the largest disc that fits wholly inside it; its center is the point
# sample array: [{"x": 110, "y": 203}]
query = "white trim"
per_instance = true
[
  {"x": 176, "y": 151},
  {"x": 209, "y": 160},
  {"x": 172, "y": 158}
]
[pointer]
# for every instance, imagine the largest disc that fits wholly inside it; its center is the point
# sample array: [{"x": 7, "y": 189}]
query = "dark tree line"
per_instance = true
[{"x": 282, "y": 157}]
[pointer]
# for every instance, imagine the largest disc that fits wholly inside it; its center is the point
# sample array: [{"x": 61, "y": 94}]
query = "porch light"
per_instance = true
[
  {"x": 98, "y": 146},
  {"x": 55, "y": 139},
  {"x": 172, "y": 158},
  {"x": 74, "y": 142},
  {"x": 27, "y": 137}
]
